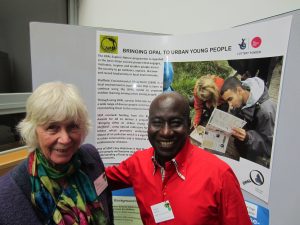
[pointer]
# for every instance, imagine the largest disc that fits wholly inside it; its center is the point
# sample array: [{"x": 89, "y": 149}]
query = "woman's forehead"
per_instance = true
[{"x": 62, "y": 120}]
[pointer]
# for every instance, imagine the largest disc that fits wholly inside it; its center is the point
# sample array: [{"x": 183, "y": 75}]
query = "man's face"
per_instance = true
[
  {"x": 167, "y": 127},
  {"x": 233, "y": 98}
]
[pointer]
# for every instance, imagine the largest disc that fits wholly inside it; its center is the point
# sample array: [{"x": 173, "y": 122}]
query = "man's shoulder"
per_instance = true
[
  {"x": 266, "y": 109},
  {"x": 141, "y": 156},
  {"x": 265, "y": 101},
  {"x": 269, "y": 103}
]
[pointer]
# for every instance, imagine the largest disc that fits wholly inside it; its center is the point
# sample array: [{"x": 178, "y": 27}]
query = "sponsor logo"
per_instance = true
[
  {"x": 256, "y": 177},
  {"x": 250, "y": 47},
  {"x": 243, "y": 44},
  {"x": 256, "y": 42},
  {"x": 108, "y": 44}
]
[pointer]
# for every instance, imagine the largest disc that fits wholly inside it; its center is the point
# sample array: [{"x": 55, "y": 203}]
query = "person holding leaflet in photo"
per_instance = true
[
  {"x": 61, "y": 181},
  {"x": 174, "y": 181},
  {"x": 250, "y": 101}
]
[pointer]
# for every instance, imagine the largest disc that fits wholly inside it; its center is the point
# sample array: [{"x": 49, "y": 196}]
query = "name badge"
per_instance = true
[
  {"x": 100, "y": 183},
  {"x": 162, "y": 212}
]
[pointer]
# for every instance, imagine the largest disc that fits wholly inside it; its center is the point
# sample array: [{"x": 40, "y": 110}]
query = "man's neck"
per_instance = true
[{"x": 161, "y": 162}]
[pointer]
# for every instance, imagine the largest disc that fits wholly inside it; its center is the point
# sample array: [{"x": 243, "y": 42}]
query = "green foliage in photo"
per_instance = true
[{"x": 186, "y": 74}]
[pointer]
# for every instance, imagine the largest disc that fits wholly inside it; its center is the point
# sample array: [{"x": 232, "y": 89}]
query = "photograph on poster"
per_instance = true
[{"x": 201, "y": 82}]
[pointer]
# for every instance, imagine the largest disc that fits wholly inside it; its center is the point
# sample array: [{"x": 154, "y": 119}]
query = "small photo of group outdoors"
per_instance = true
[{"x": 233, "y": 104}]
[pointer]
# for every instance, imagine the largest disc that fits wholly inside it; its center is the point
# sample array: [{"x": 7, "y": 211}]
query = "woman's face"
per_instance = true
[{"x": 59, "y": 141}]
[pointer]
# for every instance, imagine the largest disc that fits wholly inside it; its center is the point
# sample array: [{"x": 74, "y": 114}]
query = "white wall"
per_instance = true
[{"x": 178, "y": 17}]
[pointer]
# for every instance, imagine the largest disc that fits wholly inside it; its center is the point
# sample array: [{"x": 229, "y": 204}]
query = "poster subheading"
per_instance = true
[{"x": 126, "y": 210}]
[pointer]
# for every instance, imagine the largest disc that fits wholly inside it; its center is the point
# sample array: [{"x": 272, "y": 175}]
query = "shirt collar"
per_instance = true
[{"x": 179, "y": 162}]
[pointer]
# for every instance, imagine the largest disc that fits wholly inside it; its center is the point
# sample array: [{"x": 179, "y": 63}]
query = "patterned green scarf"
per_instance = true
[{"x": 76, "y": 203}]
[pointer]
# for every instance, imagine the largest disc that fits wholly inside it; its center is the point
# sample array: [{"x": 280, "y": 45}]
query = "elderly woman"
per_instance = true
[
  {"x": 207, "y": 97},
  {"x": 61, "y": 181}
]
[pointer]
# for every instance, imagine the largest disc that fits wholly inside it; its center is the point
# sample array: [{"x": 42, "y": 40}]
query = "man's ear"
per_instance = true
[{"x": 239, "y": 90}]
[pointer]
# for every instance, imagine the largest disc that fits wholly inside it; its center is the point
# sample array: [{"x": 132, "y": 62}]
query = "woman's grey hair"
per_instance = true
[{"x": 52, "y": 102}]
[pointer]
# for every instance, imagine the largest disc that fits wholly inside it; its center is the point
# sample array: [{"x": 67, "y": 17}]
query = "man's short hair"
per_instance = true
[{"x": 231, "y": 83}]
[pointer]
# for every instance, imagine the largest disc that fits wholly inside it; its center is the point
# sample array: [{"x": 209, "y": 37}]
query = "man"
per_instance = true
[
  {"x": 176, "y": 182},
  {"x": 250, "y": 101}
]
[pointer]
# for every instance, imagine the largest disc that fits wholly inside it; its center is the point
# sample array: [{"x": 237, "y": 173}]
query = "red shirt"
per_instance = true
[{"x": 203, "y": 190}]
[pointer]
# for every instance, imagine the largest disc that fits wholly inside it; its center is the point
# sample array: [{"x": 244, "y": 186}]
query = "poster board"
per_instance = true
[{"x": 59, "y": 60}]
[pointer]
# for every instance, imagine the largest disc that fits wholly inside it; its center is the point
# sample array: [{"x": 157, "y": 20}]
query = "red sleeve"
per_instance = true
[
  {"x": 233, "y": 209},
  {"x": 119, "y": 176},
  {"x": 198, "y": 106}
]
